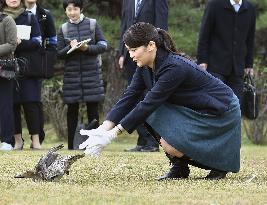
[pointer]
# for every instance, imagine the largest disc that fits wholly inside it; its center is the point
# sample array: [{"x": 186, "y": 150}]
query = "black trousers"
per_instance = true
[
  {"x": 6, "y": 111},
  {"x": 32, "y": 117},
  {"x": 144, "y": 137},
  {"x": 72, "y": 118}
]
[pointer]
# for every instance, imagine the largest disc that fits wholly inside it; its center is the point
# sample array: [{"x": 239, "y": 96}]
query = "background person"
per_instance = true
[
  {"x": 156, "y": 13},
  {"x": 8, "y": 43},
  {"x": 49, "y": 41},
  {"x": 82, "y": 75},
  {"x": 226, "y": 41},
  {"x": 27, "y": 93},
  {"x": 194, "y": 116}
]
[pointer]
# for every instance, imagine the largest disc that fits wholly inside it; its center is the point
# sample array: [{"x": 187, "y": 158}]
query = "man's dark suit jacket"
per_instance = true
[
  {"x": 226, "y": 39},
  {"x": 154, "y": 12},
  {"x": 47, "y": 26}
]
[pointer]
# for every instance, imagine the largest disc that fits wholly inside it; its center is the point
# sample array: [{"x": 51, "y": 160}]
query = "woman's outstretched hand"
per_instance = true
[{"x": 98, "y": 139}]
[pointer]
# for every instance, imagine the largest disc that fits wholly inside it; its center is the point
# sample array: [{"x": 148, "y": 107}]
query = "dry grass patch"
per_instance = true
[{"x": 128, "y": 178}]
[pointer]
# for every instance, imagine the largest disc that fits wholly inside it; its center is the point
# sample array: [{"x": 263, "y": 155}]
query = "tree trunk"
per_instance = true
[{"x": 115, "y": 82}]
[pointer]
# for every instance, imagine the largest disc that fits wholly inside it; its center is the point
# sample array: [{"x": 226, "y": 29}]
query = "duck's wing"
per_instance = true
[
  {"x": 70, "y": 159},
  {"x": 46, "y": 160},
  {"x": 73, "y": 158},
  {"x": 56, "y": 148}
]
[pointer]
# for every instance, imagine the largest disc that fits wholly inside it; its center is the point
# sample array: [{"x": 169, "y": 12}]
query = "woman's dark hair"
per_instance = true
[
  {"x": 140, "y": 34},
  {"x": 76, "y": 3},
  {"x": 4, "y": 5}
]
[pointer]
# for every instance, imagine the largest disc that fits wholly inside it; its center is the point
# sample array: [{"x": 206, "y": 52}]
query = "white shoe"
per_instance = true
[{"x": 6, "y": 147}]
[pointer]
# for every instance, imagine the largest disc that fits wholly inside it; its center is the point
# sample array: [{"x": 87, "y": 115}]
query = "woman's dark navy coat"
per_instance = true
[{"x": 177, "y": 80}]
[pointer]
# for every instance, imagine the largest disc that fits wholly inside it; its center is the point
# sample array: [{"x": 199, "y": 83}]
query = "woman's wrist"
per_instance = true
[{"x": 107, "y": 125}]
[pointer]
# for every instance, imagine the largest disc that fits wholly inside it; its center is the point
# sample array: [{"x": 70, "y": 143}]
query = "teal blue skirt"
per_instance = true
[{"x": 211, "y": 140}]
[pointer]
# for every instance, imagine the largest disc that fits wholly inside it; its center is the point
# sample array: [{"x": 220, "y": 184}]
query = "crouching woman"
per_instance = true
[{"x": 194, "y": 116}]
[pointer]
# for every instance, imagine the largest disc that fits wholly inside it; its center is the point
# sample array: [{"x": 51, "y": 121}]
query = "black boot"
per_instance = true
[
  {"x": 216, "y": 175},
  {"x": 179, "y": 170}
]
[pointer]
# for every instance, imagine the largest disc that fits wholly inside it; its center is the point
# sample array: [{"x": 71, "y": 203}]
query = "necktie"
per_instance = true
[
  {"x": 138, "y": 3},
  {"x": 236, "y": 7}
]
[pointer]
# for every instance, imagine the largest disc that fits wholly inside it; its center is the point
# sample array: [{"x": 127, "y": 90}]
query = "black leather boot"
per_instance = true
[
  {"x": 179, "y": 167},
  {"x": 216, "y": 175},
  {"x": 179, "y": 170}
]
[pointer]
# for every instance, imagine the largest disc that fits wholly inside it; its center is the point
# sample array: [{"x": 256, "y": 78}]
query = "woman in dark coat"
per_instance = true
[
  {"x": 82, "y": 75},
  {"x": 27, "y": 93},
  {"x": 194, "y": 116},
  {"x": 49, "y": 42},
  {"x": 8, "y": 43}
]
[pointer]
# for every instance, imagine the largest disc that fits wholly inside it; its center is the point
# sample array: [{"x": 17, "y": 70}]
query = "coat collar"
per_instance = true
[
  {"x": 228, "y": 5},
  {"x": 160, "y": 58},
  {"x": 233, "y": 2},
  {"x": 40, "y": 12}
]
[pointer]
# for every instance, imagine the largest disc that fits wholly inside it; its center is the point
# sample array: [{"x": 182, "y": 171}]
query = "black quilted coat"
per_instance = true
[{"x": 82, "y": 75}]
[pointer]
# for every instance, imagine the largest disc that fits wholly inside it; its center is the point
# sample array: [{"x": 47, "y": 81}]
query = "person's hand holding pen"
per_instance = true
[
  {"x": 73, "y": 43},
  {"x": 84, "y": 46}
]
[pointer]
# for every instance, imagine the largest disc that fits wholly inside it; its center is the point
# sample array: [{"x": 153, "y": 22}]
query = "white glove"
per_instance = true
[
  {"x": 98, "y": 139},
  {"x": 87, "y": 132}
]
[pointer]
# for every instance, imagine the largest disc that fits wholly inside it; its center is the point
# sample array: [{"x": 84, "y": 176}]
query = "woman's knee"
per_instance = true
[{"x": 170, "y": 149}]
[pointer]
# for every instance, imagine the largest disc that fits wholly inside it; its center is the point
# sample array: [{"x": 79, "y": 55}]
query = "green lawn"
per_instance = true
[{"x": 128, "y": 178}]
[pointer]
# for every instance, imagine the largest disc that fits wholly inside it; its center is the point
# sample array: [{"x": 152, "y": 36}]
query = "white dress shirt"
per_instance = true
[
  {"x": 33, "y": 9},
  {"x": 235, "y": 5}
]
